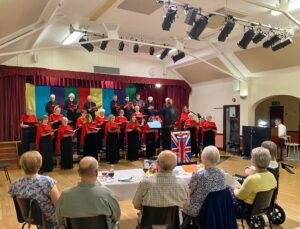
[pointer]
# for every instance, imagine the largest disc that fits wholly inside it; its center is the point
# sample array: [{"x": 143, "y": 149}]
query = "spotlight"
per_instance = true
[
  {"x": 230, "y": 23},
  {"x": 178, "y": 56},
  {"x": 259, "y": 37},
  {"x": 247, "y": 38},
  {"x": 121, "y": 46},
  {"x": 198, "y": 28},
  {"x": 103, "y": 45},
  {"x": 164, "y": 53},
  {"x": 191, "y": 14},
  {"x": 274, "y": 39},
  {"x": 169, "y": 18},
  {"x": 87, "y": 46},
  {"x": 151, "y": 50},
  {"x": 136, "y": 48},
  {"x": 282, "y": 44}
]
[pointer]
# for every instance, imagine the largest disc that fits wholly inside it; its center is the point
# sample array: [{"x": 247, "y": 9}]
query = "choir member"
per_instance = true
[
  {"x": 138, "y": 101},
  {"x": 71, "y": 107},
  {"x": 121, "y": 120},
  {"x": 166, "y": 101},
  {"x": 44, "y": 144},
  {"x": 100, "y": 122},
  {"x": 138, "y": 114},
  {"x": 133, "y": 132},
  {"x": 170, "y": 115},
  {"x": 128, "y": 107},
  {"x": 192, "y": 125},
  {"x": 209, "y": 130},
  {"x": 184, "y": 116},
  {"x": 88, "y": 137},
  {"x": 149, "y": 106},
  {"x": 79, "y": 123},
  {"x": 28, "y": 123},
  {"x": 114, "y": 106},
  {"x": 112, "y": 132},
  {"x": 55, "y": 122},
  {"x": 90, "y": 106},
  {"x": 50, "y": 105},
  {"x": 150, "y": 137},
  {"x": 64, "y": 144}
]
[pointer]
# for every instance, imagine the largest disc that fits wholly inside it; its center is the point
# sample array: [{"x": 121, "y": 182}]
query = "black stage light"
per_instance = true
[
  {"x": 151, "y": 50},
  {"x": 274, "y": 39},
  {"x": 198, "y": 28},
  {"x": 259, "y": 37},
  {"x": 282, "y": 44},
  {"x": 103, "y": 45},
  {"x": 136, "y": 48},
  {"x": 164, "y": 53},
  {"x": 191, "y": 14},
  {"x": 247, "y": 38},
  {"x": 230, "y": 23},
  {"x": 178, "y": 56},
  {"x": 121, "y": 46},
  {"x": 87, "y": 46},
  {"x": 169, "y": 18}
]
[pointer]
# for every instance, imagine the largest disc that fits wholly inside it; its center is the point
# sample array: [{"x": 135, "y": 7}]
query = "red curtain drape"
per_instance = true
[
  {"x": 12, "y": 105},
  {"x": 158, "y": 94}
]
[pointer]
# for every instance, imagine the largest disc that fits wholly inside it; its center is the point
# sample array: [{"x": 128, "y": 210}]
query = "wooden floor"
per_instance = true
[{"x": 289, "y": 193}]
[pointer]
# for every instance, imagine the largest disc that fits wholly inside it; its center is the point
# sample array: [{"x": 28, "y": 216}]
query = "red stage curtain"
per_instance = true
[
  {"x": 158, "y": 94},
  {"x": 12, "y": 106}
]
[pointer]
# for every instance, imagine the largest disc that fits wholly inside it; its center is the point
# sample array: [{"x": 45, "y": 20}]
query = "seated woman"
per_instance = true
[
  {"x": 38, "y": 187},
  {"x": 210, "y": 179},
  {"x": 261, "y": 180}
]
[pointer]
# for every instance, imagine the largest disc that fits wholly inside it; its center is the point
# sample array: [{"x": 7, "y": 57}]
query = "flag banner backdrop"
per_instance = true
[
  {"x": 181, "y": 146},
  {"x": 38, "y": 96}
]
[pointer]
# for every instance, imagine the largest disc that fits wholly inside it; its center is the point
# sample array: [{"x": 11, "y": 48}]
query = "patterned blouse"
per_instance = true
[
  {"x": 38, "y": 188},
  {"x": 201, "y": 184}
]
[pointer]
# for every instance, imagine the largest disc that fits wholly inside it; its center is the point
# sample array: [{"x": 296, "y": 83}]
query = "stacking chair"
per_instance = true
[
  {"x": 4, "y": 166},
  {"x": 95, "y": 222},
  {"x": 261, "y": 206},
  {"x": 160, "y": 216},
  {"x": 291, "y": 145}
]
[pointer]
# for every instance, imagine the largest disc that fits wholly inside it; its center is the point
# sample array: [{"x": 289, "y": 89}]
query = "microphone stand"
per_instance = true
[{"x": 197, "y": 114}]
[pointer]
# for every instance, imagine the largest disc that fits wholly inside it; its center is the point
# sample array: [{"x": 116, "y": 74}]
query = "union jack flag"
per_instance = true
[{"x": 181, "y": 146}]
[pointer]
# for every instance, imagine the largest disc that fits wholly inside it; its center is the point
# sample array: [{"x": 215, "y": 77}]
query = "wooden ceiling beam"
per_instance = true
[{"x": 103, "y": 8}]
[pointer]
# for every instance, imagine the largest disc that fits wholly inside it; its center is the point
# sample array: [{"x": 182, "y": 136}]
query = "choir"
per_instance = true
[{"x": 126, "y": 126}]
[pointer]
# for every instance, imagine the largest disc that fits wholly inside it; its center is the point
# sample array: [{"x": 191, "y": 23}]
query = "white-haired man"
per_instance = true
[
  {"x": 149, "y": 106},
  {"x": 71, "y": 107},
  {"x": 88, "y": 198},
  {"x": 162, "y": 189},
  {"x": 90, "y": 106},
  {"x": 49, "y": 108}
]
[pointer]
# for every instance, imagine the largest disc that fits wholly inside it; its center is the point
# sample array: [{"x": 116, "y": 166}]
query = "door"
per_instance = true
[
  {"x": 276, "y": 112},
  {"x": 231, "y": 128}
]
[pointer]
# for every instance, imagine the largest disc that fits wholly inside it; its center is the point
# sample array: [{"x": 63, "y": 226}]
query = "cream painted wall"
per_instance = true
[
  {"x": 81, "y": 60},
  {"x": 291, "y": 111},
  {"x": 210, "y": 97}
]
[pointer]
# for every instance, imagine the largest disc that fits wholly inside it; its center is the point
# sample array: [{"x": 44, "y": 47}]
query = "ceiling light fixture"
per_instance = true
[
  {"x": 178, "y": 56},
  {"x": 103, "y": 45},
  {"x": 260, "y": 35},
  {"x": 191, "y": 14},
  {"x": 230, "y": 23},
  {"x": 169, "y": 18},
  {"x": 198, "y": 28},
  {"x": 272, "y": 41},
  {"x": 88, "y": 46},
  {"x": 164, "y": 53},
  {"x": 247, "y": 38},
  {"x": 282, "y": 44},
  {"x": 151, "y": 50},
  {"x": 136, "y": 48},
  {"x": 121, "y": 46}
]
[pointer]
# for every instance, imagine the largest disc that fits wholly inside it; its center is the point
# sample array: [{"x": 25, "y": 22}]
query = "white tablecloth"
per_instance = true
[{"x": 126, "y": 190}]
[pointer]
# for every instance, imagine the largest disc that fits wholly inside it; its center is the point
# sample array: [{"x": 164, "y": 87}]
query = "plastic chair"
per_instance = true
[
  {"x": 94, "y": 222},
  {"x": 291, "y": 145},
  {"x": 4, "y": 166},
  {"x": 261, "y": 206},
  {"x": 167, "y": 216}
]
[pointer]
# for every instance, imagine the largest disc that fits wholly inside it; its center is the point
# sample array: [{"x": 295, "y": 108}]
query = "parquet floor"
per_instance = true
[{"x": 289, "y": 193}]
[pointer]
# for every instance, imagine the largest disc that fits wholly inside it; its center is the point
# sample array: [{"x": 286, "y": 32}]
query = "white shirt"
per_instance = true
[{"x": 281, "y": 130}]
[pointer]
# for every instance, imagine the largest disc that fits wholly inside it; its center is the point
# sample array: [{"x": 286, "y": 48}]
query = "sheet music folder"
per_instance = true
[{"x": 154, "y": 125}]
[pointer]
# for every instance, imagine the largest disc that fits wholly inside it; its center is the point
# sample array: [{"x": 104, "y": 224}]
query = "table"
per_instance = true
[{"x": 126, "y": 190}]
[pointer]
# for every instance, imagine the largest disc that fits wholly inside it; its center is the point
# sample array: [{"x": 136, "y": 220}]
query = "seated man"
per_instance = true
[
  {"x": 261, "y": 180},
  {"x": 88, "y": 198},
  {"x": 162, "y": 189}
]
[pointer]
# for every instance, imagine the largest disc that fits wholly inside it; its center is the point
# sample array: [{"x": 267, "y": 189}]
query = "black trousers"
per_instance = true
[
  {"x": 166, "y": 138},
  {"x": 28, "y": 137},
  {"x": 66, "y": 153},
  {"x": 46, "y": 151}
]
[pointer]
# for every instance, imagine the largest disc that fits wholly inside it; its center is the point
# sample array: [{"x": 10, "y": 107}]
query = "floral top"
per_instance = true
[
  {"x": 201, "y": 184},
  {"x": 38, "y": 188}
]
